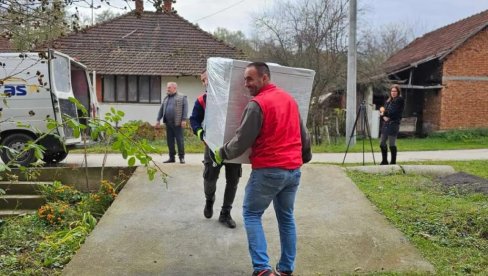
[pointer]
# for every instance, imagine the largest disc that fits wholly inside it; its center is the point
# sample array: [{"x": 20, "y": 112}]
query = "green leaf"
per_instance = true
[
  {"x": 151, "y": 172},
  {"x": 94, "y": 134},
  {"x": 38, "y": 153},
  {"x": 51, "y": 124},
  {"x": 116, "y": 145},
  {"x": 143, "y": 160},
  {"x": 131, "y": 161},
  {"x": 79, "y": 106},
  {"x": 4, "y": 167},
  {"x": 76, "y": 132}
]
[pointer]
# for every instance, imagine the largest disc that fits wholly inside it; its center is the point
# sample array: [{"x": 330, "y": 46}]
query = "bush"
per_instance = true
[
  {"x": 147, "y": 131},
  {"x": 98, "y": 202},
  {"x": 59, "y": 192},
  {"x": 56, "y": 213}
]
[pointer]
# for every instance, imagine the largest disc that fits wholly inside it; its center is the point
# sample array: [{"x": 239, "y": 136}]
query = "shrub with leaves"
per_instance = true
[
  {"x": 55, "y": 213},
  {"x": 58, "y": 191},
  {"x": 98, "y": 202}
]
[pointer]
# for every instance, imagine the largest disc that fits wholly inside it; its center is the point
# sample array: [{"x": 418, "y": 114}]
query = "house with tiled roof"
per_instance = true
[
  {"x": 133, "y": 56},
  {"x": 444, "y": 76}
]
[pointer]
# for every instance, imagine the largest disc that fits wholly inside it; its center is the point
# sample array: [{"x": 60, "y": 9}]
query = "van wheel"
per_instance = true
[
  {"x": 17, "y": 141},
  {"x": 54, "y": 157}
]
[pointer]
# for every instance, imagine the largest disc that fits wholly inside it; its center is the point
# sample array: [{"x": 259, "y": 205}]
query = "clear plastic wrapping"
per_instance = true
[{"x": 227, "y": 97}]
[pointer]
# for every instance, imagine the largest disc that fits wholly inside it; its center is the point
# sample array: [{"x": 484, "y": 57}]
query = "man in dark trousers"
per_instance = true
[
  {"x": 211, "y": 173},
  {"x": 174, "y": 112},
  {"x": 271, "y": 126}
]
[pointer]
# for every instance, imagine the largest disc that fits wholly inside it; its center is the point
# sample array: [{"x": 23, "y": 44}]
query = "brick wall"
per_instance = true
[
  {"x": 464, "y": 103},
  {"x": 432, "y": 110}
]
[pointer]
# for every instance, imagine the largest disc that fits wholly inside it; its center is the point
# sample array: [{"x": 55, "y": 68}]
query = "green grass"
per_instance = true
[
  {"x": 406, "y": 144},
  {"x": 193, "y": 145},
  {"x": 449, "y": 228}
]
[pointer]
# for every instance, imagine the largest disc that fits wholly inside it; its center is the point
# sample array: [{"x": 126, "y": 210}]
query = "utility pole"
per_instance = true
[
  {"x": 92, "y": 17},
  {"x": 351, "y": 75}
]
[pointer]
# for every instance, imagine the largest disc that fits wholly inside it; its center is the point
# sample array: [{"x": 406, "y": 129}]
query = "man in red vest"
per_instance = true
[{"x": 271, "y": 126}]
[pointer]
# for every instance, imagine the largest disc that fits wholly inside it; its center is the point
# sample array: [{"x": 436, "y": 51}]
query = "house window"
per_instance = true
[
  {"x": 108, "y": 89},
  {"x": 131, "y": 89}
]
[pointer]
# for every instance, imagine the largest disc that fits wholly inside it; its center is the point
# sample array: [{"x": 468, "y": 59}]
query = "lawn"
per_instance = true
[
  {"x": 449, "y": 228},
  {"x": 407, "y": 144},
  {"x": 437, "y": 142}
]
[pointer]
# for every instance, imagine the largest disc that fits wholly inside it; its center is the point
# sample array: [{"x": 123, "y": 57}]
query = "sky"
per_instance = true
[{"x": 420, "y": 16}]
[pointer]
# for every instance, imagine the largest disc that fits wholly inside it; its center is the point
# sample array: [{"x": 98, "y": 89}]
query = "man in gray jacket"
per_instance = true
[{"x": 174, "y": 112}]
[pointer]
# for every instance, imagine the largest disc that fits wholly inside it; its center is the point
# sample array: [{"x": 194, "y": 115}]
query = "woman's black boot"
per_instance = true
[
  {"x": 393, "y": 151},
  {"x": 384, "y": 155}
]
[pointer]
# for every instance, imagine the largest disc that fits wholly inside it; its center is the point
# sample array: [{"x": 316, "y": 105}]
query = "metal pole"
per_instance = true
[
  {"x": 351, "y": 73},
  {"x": 92, "y": 17}
]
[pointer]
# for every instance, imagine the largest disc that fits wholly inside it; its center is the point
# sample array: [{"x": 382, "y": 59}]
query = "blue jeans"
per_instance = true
[
  {"x": 264, "y": 186},
  {"x": 175, "y": 133}
]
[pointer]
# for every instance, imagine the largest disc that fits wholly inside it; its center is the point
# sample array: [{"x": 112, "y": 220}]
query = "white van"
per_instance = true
[{"x": 36, "y": 86}]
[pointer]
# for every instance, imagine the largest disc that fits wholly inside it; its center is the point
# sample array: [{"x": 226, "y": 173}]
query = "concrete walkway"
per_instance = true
[
  {"x": 194, "y": 159},
  {"x": 154, "y": 230}
]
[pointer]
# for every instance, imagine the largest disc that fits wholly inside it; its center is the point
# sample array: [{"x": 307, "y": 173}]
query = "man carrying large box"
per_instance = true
[
  {"x": 271, "y": 126},
  {"x": 211, "y": 173}
]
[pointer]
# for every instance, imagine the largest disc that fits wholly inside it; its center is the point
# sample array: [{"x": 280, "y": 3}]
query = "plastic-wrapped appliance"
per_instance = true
[{"x": 227, "y": 97}]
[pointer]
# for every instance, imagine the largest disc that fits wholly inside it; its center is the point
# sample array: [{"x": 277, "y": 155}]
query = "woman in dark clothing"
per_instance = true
[{"x": 391, "y": 115}]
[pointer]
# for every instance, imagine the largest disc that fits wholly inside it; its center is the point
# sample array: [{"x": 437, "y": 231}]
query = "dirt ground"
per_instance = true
[{"x": 465, "y": 182}]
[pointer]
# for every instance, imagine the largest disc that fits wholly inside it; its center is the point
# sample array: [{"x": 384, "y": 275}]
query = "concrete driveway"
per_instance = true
[{"x": 152, "y": 229}]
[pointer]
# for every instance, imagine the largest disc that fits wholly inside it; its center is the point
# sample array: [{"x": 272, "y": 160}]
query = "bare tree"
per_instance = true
[
  {"x": 29, "y": 23},
  {"x": 236, "y": 39},
  {"x": 376, "y": 46},
  {"x": 309, "y": 34},
  {"x": 105, "y": 16}
]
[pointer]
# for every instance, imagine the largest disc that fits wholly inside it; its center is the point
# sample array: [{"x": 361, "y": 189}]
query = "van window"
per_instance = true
[{"x": 61, "y": 74}]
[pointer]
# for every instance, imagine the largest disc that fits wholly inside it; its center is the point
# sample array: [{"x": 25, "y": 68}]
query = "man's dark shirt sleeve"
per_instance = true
[
  {"x": 160, "y": 113},
  {"x": 246, "y": 134},
  {"x": 197, "y": 116},
  {"x": 185, "y": 108}
]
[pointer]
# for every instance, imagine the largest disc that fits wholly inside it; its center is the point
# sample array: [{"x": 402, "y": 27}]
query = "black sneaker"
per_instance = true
[
  {"x": 226, "y": 219},
  {"x": 169, "y": 161},
  {"x": 182, "y": 160},
  {"x": 265, "y": 272},
  {"x": 282, "y": 273},
  {"x": 208, "y": 210}
]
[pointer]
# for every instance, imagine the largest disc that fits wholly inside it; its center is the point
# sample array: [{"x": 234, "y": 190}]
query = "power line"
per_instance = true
[{"x": 217, "y": 12}]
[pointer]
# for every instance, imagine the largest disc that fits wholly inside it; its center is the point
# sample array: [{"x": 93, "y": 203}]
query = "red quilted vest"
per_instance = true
[{"x": 279, "y": 143}]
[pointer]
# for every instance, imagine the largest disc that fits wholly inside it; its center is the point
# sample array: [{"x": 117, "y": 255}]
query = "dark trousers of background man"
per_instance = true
[
  {"x": 210, "y": 175},
  {"x": 175, "y": 133}
]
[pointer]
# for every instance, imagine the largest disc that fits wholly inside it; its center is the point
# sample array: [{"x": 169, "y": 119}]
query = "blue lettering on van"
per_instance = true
[{"x": 15, "y": 90}]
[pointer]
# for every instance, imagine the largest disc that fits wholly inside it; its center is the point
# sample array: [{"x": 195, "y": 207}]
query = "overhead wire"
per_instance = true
[{"x": 219, "y": 11}]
